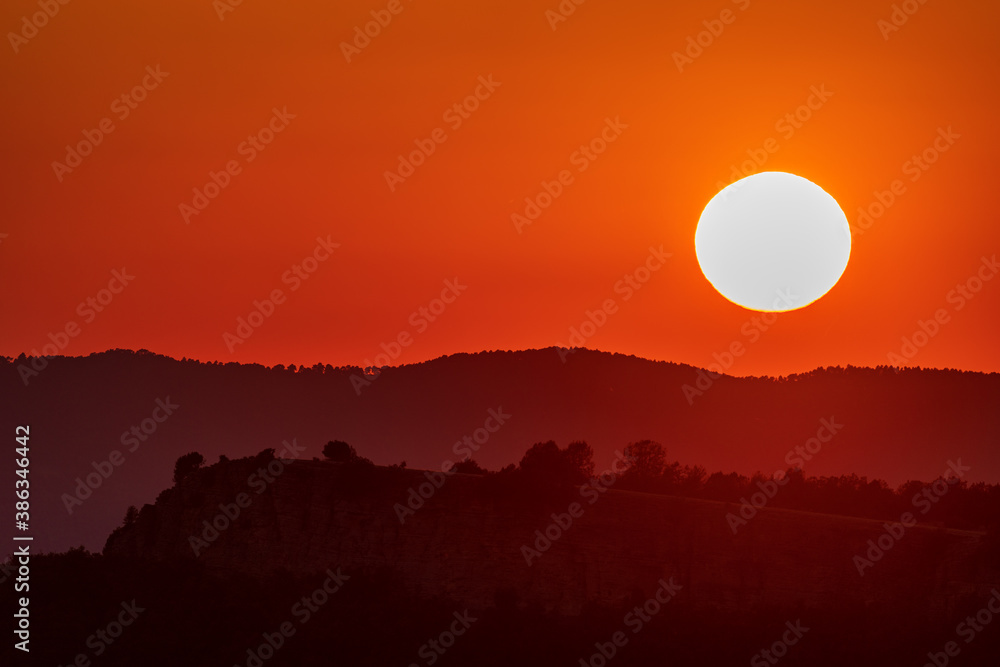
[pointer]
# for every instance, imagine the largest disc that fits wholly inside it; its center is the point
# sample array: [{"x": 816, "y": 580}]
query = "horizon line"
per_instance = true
[{"x": 556, "y": 348}]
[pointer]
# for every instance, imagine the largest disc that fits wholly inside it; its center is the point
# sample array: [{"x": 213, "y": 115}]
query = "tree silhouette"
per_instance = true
[
  {"x": 338, "y": 450},
  {"x": 341, "y": 452},
  {"x": 545, "y": 462},
  {"x": 131, "y": 514},
  {"x": 186, "y": 465},
  {"x": 579, "y": 458},
  {"x": 469, "y": 467},
  {"x": 648, "y": 459}
]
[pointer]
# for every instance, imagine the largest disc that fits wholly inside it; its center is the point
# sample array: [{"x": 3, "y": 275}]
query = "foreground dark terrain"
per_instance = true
[
  {"x": 895, "y": 426},
  {"x": 270, "y": 561}
]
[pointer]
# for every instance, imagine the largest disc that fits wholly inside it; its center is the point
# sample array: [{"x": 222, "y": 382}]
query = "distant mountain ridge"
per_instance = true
[{"x": 105, "y": 415}]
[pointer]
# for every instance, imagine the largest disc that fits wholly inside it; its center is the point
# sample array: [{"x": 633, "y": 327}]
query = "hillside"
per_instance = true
[
  {"x": 896, "y": 426},
  {"x": 467, "y": 543}
]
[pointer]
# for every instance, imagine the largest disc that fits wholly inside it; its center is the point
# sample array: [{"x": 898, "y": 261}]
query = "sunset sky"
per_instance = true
[{"x": 337, "y": 119}]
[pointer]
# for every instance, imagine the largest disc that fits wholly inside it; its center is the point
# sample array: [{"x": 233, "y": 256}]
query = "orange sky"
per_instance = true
[{"x": 323, "y": 175}]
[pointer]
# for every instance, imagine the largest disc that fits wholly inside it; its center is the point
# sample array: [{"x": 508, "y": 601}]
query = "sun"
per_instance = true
[{"x": 773, "y": 242}]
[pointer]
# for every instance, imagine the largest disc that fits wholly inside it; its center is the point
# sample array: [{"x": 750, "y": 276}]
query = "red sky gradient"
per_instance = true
[{"x": 324, "y": 175}]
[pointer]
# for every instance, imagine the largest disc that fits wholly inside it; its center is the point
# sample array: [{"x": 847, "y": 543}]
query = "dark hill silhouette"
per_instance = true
[
  {"x": 548, "y": 558},
  {"x": 467, "y": 537},
  {"x": 896, "y": 426},
  {"x": 463, "y": 549}
]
